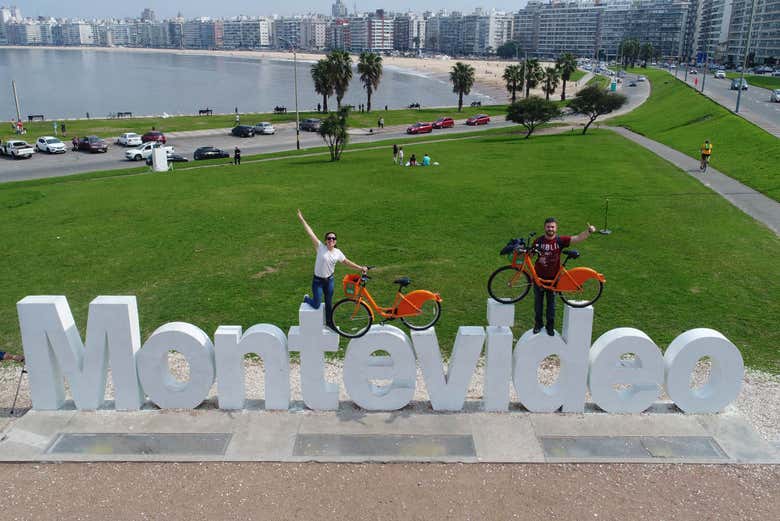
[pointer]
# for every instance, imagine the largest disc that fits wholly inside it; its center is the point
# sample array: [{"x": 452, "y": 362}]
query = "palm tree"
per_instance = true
[
  {"x": 533, "y": 75},
  {"x": 513, "y": 76},
  {"x": 340, "y": 73},
  {"x": 462, "y": 78},
  {"x": 551, "y": 78},
  {"x": 567, "y": 64},
  {"x": 370, "y": 69},
  {"x": 322, "y": 81}
]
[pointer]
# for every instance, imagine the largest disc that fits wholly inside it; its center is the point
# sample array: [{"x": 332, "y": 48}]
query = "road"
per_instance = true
[
  {"x": 43, "y": 165},
  {"x": 753, "y": 106}
]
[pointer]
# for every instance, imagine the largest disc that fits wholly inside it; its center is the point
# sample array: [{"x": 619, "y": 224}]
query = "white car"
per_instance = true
[
  {"x": 721, "y": 75},
  {"x": 129, "y": 139},
  {"x": 16, "y": 149},
  {"x": 50, "y": 144},
  {"x": 265, "y": 127},
  {"x": 641, "y": 78},
  {"x": 145, "y": 151}
]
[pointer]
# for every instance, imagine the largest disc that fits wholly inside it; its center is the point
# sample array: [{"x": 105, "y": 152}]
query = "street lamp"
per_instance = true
[
  {"x": 295, "y": 76},
  {"x": 747, "y": 48}
]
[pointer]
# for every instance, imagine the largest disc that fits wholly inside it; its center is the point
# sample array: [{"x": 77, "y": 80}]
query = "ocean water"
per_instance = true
[{"x": 70, "y": 83}]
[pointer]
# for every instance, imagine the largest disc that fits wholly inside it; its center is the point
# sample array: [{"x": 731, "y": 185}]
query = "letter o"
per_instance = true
[
  {"x": 152, "y": 362},
  {"x": 726, "y": 373}
]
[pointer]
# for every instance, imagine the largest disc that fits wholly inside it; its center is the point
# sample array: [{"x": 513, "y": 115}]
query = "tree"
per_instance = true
[
  {"x": 593, "y": 101},
  {"x": 370, "y": 69},
  {"x": 322, "y": 81},
  {"x": 629, "y": 51},
  {"x": 340, "y": 73},
  {"x": 532, "y": 112},
  {"x": 533, "y": 75},
  {"x": 509, "y": 50},
  {"x": 333, "y": 130},
  {"x": 567, "y": 64},
  {"x": 550, "y": 80},
  {"x": 462, "y": 78},
  {"x": 646, "y": 52},
  {"x": 513, "y": 76}
]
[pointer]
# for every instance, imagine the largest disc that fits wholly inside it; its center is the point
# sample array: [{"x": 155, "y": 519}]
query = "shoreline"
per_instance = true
[{"x": 487, "y": 73}]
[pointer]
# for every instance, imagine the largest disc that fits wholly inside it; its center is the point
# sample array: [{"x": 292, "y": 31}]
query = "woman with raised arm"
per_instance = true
[{"x": 324, "y": 266}]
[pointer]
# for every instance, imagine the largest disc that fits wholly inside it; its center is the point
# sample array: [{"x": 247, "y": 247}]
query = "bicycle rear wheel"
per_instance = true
[
  {"x": 430, "y": 311},
  {"x": 588, "y": 292},
  {"x": 509, "y": 284},
  {"x": 351, "y": 318}
]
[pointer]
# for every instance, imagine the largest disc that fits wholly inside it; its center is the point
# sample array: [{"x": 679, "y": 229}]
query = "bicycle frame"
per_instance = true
[
  {"x": 564, "y": 281},
  {"x": 403, "y": 305}
]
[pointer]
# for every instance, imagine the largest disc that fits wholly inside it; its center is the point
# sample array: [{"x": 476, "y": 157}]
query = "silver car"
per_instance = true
[
  {"x": 265, "y": 128},
  {"x": 775, "y": 96}
]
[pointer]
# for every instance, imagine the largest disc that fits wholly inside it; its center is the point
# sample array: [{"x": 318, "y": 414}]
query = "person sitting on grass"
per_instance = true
[
  {"x": 426, "y": 160},
  {"x": 413, "y": 160},
  {"x": 324, "y": 267},
  {"x": 13, "y": 358}
]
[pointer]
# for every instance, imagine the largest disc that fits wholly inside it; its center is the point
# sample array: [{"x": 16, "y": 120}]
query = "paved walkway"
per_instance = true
[{"x": 753, "y": 203}]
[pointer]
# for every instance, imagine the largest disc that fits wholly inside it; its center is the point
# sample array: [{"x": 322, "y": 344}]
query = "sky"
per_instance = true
[{"x": 196, "y": 8}]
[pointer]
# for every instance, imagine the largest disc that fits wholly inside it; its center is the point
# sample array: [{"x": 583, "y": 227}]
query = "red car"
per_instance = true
[
  {"x": 420, "y": 128},
  {"x": 444, "y": 123},
  {"x": 154, "y": 135},
  {"x": 479, "y": 119},
  {"x": 90, "y": 144}
]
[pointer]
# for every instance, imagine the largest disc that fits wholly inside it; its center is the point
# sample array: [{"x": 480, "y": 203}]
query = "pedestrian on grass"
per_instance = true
[
  {"x": 395, "y": 153},
  {"x": 238, "y": 119},
  {"x": 319, "y": 107},
  {"x": 426, "y": 161},
  {"x": 548, "y": 263},
  {"x": 9, "y": 357},
  {"x": 237, "y": 156},
  {"x": 381, "y": 122},
  {"x": 413, "y": 160},
  {"x": 62, "y": 128},
  {"x": 324, "y": 267},
  {"x": 401, "y": 155}
]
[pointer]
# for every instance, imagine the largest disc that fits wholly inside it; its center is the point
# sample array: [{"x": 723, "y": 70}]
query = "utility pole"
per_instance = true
[
  {"x": 295, "y": 76},
  {"x": 747, "y": 49},
  {"x": 16, "y": 100}
]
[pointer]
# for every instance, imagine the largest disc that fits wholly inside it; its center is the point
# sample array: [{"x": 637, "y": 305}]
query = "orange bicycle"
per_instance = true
[
  {"x": 578, "y": 287},
  {"x": 352, "y": 316}
]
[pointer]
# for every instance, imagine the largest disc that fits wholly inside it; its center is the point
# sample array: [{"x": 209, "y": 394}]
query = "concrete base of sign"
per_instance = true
[{"x": 350, "y": 434}]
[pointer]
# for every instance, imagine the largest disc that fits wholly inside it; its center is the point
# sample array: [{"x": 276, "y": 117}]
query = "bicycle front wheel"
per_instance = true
[
  {"x": 509, "y": 284},
  {"x": 430, "y": 311},
  {"x": 351, "y": 318},
  {"x": 587, "y": 293}
]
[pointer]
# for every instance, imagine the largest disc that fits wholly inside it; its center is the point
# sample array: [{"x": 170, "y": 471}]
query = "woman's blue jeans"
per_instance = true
[{"x": 322, "y": 287}]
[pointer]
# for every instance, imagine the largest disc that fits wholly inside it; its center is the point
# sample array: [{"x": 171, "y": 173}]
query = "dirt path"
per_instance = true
[{"x": 401, "y": 491}]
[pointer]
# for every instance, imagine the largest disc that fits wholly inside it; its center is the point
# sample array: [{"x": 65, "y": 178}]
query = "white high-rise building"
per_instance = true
[{"x": 313, "y": 33}]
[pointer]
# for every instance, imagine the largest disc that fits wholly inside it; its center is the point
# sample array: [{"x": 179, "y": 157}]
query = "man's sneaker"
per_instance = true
[
  {"x": 537, "y": 329},
  {"x": 550, "y": 331}
]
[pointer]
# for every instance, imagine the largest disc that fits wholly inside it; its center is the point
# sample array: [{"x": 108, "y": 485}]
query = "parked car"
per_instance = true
[
  {"x": 420, "y": 128},
  {"x": 721, "y": 75},
  {"x": 641, "y": 78},
  {"x": 444, "y": 123},
  {"x": 775, "y": 96},
  {"x": 265, "y": 128},
  {"x": 129, "y": 139},
  {"x": 210, "y": 153},
  {"x": 243, "y": 131},
  {"x": 145, "y": 151},
  {"x": 91, "y": 144},
  {"x": 693, "y": 71},
  {"x": 776, "y": 73},
  {"x": 154, "y": 135},
  {"x": 764, "y": 69},
  {"x": 632, "y": 84},
  {"x": 735, "y": 84},
  {"x": 50, "y": 144},
  {"x": 172, "y": 158},
  {"x": 17, "y": 149},
  {"x": 479, "y": 119},
  {"x": 310, "y": 125}
]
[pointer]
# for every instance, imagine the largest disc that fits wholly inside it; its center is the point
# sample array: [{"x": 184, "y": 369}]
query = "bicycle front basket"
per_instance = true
[{"x": 351, "y": 285}]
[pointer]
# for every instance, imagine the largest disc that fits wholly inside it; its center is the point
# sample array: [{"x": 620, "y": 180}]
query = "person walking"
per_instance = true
[
  {"x": 381, "y": 122},
  {"x": 706, "y": 152},
  {"x": 395, "y": 153},
  {"x": 401, "y": 155},
  {"x": 324, "y": 267},
  {"x": 62, "y": 129},
  {"x": 237, "y": 156},
  {"x": 548, "y": 263}
]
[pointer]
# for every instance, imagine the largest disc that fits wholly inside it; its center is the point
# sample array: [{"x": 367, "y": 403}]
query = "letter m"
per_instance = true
[{"x": 53, "y": 349}]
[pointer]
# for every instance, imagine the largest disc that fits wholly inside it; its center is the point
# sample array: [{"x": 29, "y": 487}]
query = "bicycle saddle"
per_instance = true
[
  {"x": 403, "y": 281},
  {"x": 572, "y": 254}
]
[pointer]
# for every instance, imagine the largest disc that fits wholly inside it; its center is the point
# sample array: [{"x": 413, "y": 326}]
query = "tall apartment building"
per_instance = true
[
  {"x": 712, "y": 31},
  {"x": 339, "y": 35},
  {"x": 23, "y": 33},
  {"x": 203, "y": 33},
  {"x": 314, "y": 32},
  {"x": 287, "y": 31},
  {"x": 339, "y": 10},
  {"x": 409, "y": 32},
  {"x": 76, "y": 33},
  {"x": 147, "y": 15},
  {"x": 500, "y": 28},
  {"x": 451, "y": 33},
  {"x": 765, "y": 35}
]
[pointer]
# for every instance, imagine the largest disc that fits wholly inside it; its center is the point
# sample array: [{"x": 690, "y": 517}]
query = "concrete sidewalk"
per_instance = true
[
  {"x": 414, "y": 434},
  {"x": 753, "y": 203}
]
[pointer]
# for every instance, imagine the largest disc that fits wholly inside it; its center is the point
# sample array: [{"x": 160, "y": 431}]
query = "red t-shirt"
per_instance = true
[{"x": 549, "y": 260}]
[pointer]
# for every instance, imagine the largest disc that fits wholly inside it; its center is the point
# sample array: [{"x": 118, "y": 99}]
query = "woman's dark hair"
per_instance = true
[{"x": 329, "y": 233}]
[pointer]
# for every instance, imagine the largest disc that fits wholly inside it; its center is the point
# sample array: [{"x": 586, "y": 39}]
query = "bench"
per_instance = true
[
  {"x": 35, "y": 117},
  {"x": 280, "y": 110},
  {"x": 414, "y": 105},
  {"x": 476, "y": 103},
  {"x": 205, "y": 112},
  {"x": 124, "y": 114}
]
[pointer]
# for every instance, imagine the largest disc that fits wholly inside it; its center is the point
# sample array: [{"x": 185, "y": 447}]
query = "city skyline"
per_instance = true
[{"x": 198, "y": 8}]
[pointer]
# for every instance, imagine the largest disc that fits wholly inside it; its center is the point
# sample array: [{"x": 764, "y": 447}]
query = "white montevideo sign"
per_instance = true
[{"x": 55, "y": 352}]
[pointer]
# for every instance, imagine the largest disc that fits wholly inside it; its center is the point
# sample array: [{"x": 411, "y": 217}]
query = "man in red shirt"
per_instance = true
[{"x": 547, "y": 265}]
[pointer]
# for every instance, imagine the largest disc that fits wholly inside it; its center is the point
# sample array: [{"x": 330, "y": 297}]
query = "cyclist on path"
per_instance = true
[
  {"x": 324, "y": 267},
  {"x": 547, "y": 265},
  {"x": 706, "y": 152}
]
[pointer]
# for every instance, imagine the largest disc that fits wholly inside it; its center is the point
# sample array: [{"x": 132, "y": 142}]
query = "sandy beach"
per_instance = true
[{"x": 487, "y": 72}]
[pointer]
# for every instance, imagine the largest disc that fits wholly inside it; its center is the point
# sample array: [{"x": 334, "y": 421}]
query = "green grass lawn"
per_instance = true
[
  {"x": 221, "y": 245},
  {"x": 577, "y": 75},
  {"x": 680, "y": 117},
  {"x": 113, "y": 127},
  {"x": 767, "y": 82},
  {"x": 601, "y": 80}
]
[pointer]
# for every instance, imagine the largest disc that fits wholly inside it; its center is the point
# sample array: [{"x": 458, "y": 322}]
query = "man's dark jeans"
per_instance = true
[
  {"x": 539, "y": 295},
  {"x": 320, "y": 287}
]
